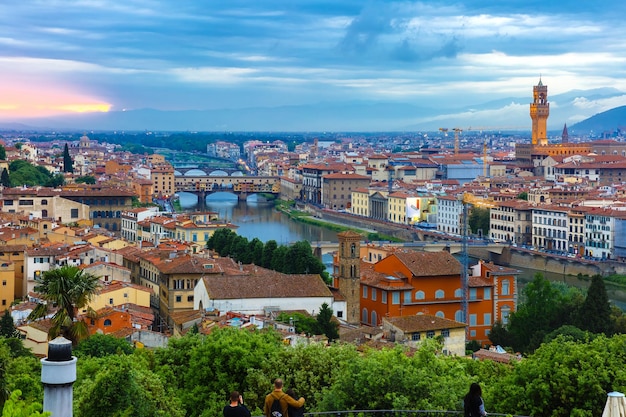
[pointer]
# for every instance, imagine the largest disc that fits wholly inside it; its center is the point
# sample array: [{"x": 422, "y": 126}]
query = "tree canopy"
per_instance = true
[{"x": 295, "y": 259}]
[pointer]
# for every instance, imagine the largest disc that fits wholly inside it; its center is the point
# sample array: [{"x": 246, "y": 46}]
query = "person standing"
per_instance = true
[
  {"x": 236, "y": 408},
  {"x": 473, "y": 404},
  {"x": 284, "y": 401},
  {"x": 294, "y": 411}
]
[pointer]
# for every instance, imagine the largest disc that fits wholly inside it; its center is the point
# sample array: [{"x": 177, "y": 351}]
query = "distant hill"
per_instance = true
[
  {"x": 608, "y": 121},
  {"x": 357, "y": 116}
]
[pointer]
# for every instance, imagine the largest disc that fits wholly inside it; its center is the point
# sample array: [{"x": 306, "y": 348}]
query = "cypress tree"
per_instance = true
[
  {"x": 595, "y": 314},
  {"x": 4, "y": 178},
  {"x": 68, "y": 164}
]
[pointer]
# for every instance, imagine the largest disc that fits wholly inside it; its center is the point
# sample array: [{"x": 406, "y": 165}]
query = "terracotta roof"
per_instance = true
[
  {"x": 422, "y": 322},
  {"x": 429, "y": 263},
  {"x": 265, "y": 283}
]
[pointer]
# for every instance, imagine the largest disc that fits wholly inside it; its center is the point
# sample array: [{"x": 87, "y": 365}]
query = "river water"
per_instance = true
[{"x": 260, "y": 220}]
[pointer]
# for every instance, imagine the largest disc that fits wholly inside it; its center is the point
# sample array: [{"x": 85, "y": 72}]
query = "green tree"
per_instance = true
[
  {"x": 16, "y": 407},
  {"x": 68, "y": 164},
  {"x": 595, "y": 313},
  {"x": 268, "y": 253},
  {"x": 255, "y": 247},
  {"x": 327, "y": 325},
  {"x": 523, "y": 196},
  {"x": 99, "y": 345},
  {"x": 564, "y": 378},
  {"x": 7, "y": 325},
  {"x": 302, "y": 322},
  {"x": 86, "y": 179},
  {"x": 3, "y": 153},
  {"x": 69, "y": 289},
  {"x": 4, "y": 178},
  {"x": 122, "y": 385},
  {"x": 279, "y": 258},
  {"x": 479, "y": 220},
  {"x": 544, "y": 308}
]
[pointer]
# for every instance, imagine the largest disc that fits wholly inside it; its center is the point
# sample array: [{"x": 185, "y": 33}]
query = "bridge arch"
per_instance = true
[
  {"x": 194, "y": 172},
  {"x": 218, "y": 173}
]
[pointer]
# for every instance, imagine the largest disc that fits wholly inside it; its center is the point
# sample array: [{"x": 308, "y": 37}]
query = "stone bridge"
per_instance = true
[{"x": 242, "y": 186}]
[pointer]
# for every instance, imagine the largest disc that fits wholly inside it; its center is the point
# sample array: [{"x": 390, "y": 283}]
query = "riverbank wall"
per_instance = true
[
  {"x": 511, "y": 257},
  {"x": 542, "y": 262}
]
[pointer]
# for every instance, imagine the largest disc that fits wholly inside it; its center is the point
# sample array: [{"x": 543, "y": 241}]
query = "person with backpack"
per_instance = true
[{"x": 277, "y": 402}]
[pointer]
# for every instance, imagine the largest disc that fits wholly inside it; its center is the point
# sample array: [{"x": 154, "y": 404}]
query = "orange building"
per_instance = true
[{"x": 408, "y": 283}]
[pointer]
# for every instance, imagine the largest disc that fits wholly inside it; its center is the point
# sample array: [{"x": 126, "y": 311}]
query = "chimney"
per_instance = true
[{"x": 58, "y": 374}]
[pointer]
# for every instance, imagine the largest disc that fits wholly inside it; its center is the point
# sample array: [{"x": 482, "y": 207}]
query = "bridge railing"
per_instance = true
[{"x": 396, "y": 413}]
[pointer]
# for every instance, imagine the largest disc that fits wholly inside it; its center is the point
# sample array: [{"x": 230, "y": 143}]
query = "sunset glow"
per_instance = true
[{"x": 31, "y": 101}]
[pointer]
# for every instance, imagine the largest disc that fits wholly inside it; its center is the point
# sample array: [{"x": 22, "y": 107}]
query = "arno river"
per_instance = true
[{"x": 259, "y": 219}]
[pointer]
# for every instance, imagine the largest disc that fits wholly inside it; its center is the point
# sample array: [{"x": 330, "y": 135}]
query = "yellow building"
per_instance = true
[
  {"x": 162, "y": 177},
  {"x": 360, "y": 202},
  {"x": 14, "y": 254},
  {"x": 119, "y": 293},
  {"x": 7, "y": 284},
  {"x": 35, "y": 337}
]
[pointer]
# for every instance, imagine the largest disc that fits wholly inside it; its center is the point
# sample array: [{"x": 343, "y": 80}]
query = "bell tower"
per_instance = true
[
  {"x": 539, "y": 112},
  {"x": 348, "y": 279}
]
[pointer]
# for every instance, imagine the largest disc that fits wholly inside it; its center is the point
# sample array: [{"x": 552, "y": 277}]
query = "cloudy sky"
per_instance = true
[{"x": 98, "y": 55}]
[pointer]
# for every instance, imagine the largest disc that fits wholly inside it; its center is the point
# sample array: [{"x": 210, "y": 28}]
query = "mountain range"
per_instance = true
[{"x": 582, "y": 110}]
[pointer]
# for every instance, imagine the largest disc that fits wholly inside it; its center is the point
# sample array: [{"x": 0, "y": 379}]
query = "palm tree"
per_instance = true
[{"x": 69, "y": 289}]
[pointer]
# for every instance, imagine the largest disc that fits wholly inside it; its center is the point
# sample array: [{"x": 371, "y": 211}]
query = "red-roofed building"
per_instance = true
[{"x": 337, "y": 189}]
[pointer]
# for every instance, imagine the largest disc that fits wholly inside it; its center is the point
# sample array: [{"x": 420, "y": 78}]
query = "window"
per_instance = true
[
  {"x": 384, "y": 297},
  {"x": 339, "y": 314},
  {"x": 419, "y": 295},
  {"x": 374, "y": 319},
  {"x": 472, "y": 319},
  {"x": 506, "y": 310},
  {"x": 8, "y": 202},
  {"x": 395, "y": 297},
  {"x": 374, "y": 294},
  {"x": 440, "y": 314},
  {"x": 4, "y": 283},
  {"x": 415, "y": 336},
  {"x": 125, "y": 295},
  {"x": 190, "y": 298},
  {"x": 458, "y": 293},
  {"x": 74, "y": 213},
  {"x": 4, "y": 302},
  {"x": 430, "y": 334},
  {"x": 487, "y": 319},
  {"x": 445, "y": 332},
  {"x": 458, "y": 316},
  {"x": 364, "y": 315},
  {"x": 487, "y": 293},
  {"x": 107, "y": 322},
  {"x": 179, "y": 298},
  {"x": 364, "y": 291},
  {"x": 506, "y": 287},
  {"x": 407, "y": 296},
  {"x": 25, "y": 202},
  {"x": 472, "y": 293},
  {"x": 440, "y": 294}
]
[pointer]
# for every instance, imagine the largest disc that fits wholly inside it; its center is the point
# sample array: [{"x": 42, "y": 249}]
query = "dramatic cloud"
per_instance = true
[{"x": 95, "y": 55}]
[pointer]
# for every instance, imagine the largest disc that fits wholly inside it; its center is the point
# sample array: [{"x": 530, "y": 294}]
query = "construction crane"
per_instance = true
[
  {"x": 456, "y": 130},
  {"x": 468, "y": 199}
]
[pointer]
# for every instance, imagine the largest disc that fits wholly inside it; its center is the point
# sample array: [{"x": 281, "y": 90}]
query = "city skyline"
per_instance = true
[{"x": 94, "y": 56}]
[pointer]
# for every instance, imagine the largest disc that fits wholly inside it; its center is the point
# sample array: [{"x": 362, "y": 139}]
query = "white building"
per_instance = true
[
  {"x": 551, "y": 228},
  {"x": 261, "y": 291},
  {"x": 450, "y": 214}
]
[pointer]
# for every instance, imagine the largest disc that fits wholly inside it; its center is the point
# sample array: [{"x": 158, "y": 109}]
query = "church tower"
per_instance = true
[
  {"x": 565, "y": 135},
  {"x": 348, "y": 279},
  {"x": 539, "y": 112}
]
